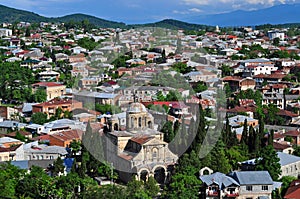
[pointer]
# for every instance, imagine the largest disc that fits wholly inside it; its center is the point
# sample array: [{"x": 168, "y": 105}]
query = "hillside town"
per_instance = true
[{"x": 91, "y": 112}]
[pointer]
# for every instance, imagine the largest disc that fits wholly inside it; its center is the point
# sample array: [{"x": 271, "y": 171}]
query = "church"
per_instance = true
[{"x": 136, "y": 148}]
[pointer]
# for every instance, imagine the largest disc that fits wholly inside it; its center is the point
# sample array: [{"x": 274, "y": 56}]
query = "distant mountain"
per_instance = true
[
  {"x": 279, "y": 14},
  {"x": 12, "y": 15},
  {"x": 93, "y": 20},
  {"x": 173, "y": 24}
]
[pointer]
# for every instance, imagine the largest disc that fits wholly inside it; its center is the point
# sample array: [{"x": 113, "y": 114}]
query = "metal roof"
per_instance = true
[
  {"x": 218, "y": 178},
  {"x": 286, "y": 159},
  {"x": 252, "y": 177}
]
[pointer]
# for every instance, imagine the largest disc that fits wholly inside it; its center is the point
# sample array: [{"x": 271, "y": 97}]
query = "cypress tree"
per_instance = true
[
  {"x": 244, "y": 139},
  {"x": 201, "y": 132}
]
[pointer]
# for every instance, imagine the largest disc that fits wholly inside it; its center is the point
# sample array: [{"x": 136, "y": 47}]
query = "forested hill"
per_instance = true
[
  {"x": 12, "y": 15},
  {"x": 173, "y": 24},
  {"x": 93, "y": 20}
]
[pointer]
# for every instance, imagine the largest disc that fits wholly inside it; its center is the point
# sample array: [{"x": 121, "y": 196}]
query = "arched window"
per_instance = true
[
  {"x": 116, "y": 127},
  {"x": 150, "y": 124},
  {"x": 131, "y": 122},
  {"x": 154, "y": 154},
  {"x": 140, "y": 122}
]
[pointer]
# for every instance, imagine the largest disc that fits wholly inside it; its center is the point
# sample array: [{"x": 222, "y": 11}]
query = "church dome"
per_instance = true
[{"x": 136, "y": 108}]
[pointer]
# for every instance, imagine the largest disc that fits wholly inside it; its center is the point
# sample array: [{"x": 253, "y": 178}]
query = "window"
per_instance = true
[
  {"x": 154, "y": 154},
  {"x": 264, "y": 187},
  {"x": 249, "y": 188}
]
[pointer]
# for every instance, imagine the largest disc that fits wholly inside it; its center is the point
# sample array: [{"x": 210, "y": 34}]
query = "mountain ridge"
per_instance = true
[{"x": 280, "y": 14}]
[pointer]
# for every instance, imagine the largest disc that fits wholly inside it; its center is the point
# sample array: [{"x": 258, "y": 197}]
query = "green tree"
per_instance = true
[
  {"x": 70, "y": 185},
  {"x": 234, "y": 156},
  {"x": 160, "y": 96},
  {"x": 58, "y": 167},
  {"x": 276, "y": 41},
  {"x": 183, "y": 186},
  {"x": 75, "y": 146},
  {"x": 244, "y": 139},
  {"x": 181, "y": 67},
  {"x": 39, "y": 118},
  {"x": 37, "y": 184},
  {"x": 226, "y": 70},
  {"x": 217, "y": 159},
  {"x": 136, "y": 190},
  {"x": 40, "y": 95},
  {"x": 286, "y": 181},
  {"x": 173, "y": 96},
  {"x": 200, "y": 86},
  {"x": 201, "y": 132},
  {"x": 151, "y": 187},
  {"x": 269, "y": 161},
  {"x": 296, "y": 151},
  {"x": 168, "y": 131},
  {"x": 27, "y": 33},
  {"x": 9, "y": 177}
]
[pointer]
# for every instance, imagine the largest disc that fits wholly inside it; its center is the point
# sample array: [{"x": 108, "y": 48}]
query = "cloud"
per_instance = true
[
  {"x": 188, "y": 11},
  {"x": 195, "y": 10},
  {"x": 197, "y": 2},
  {"x": 235, "y": 2}
]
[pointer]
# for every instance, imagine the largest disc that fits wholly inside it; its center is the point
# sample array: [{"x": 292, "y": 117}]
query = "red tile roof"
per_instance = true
[
  {"x": 47, "y": 84},
  {"x": 279, "y": 146},
  {"x": 292, "y": 133},
  {"x": 232, "y": 78},
  {"x": 56, "y": 101},
  {"x": 293, "y": 191},
  {"x": 13, "y": 148},
  {"x": 67, "y": 135},
  {"x": 142, "y": 139}
]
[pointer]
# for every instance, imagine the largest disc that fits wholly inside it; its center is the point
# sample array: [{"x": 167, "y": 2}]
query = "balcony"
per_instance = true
[
  {"x": 213, "y": 193},
  {"x": 231, "y": 195}
]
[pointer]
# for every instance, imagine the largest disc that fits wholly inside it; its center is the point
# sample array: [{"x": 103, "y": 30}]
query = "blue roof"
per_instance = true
[
  {"x": 68, "y": 162},
  {"x": 286, "y": 159},
  {"x": 252, "y": 177}
]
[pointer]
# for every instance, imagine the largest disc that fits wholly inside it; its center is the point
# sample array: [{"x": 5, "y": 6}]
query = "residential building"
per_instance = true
[
  {"x": 62, "y": 125},
  {"x": 52, "y": 89},
  {"x": 272, "y": 34},
  {"x": 253, "y": 184},
  {"x": 4, "y": 32},
  {"x": 238, "y": 185},
  {"x": 51, "y": 107},
  {"x": 48, "y": 75},
  {"x": 290, "y": 165},
  {"x": 11, "y": 149},
  {"x": 219, "y": 185},
  {"x": 64, "y": 138},
  {"x": 202, "y": 75},
  {"x": 35, "y": 151},
  {"x": 238, "y": 83}
]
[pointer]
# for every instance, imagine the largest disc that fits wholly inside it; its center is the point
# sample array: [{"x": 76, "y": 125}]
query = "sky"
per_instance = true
[{"x": 139, "y": 11}]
